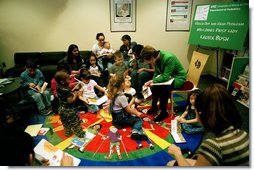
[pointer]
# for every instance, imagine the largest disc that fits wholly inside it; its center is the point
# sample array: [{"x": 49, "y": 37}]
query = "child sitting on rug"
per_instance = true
[
  {"x": 88, "y": 91},
  {"x": 129, "y": 91},
  {"x": 114, "y": 138},
  {"x": 68, "y": 113},
  {"x": 190, "y": 119},
  {"x": 121, "y": 111}
]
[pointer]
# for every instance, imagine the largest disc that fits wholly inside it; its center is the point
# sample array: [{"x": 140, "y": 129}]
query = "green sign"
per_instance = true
[{"x": 220, "y": 25}]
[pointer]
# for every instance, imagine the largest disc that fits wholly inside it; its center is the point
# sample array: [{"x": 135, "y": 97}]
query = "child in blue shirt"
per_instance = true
[{"x": 32, "y": 80}]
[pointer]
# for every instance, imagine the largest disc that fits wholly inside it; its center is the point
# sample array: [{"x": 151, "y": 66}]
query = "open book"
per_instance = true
[
  {"x": 169, "y": 82},
  {"x": 176, "y": 132},
  {"x": 46, "y": 150},
  {"x": 43, "y": 88},
  {"x": 146, "y": 92},
  {"x": 99, "y": 101}
]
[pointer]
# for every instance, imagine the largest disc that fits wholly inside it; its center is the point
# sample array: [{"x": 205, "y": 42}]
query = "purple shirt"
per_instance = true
[{"x": 113, "y": 137}]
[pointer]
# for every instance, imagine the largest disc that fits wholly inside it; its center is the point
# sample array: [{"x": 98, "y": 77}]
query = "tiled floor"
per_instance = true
[{"x": 207, "y": 80}]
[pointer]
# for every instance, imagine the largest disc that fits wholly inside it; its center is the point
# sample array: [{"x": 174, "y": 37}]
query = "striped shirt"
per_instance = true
[{"x": 231, "y": 148}]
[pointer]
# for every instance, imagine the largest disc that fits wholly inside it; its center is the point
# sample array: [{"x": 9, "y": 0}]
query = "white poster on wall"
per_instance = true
[
  {"x": 178, "y": 15},
  {"x": 123, "y": 15}
]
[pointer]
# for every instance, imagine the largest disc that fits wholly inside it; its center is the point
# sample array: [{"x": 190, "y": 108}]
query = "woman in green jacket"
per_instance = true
[{"x": 167, "y": 66}]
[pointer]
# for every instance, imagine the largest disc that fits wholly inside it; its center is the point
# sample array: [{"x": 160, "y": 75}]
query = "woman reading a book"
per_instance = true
[{"x": 167, "y": 66}]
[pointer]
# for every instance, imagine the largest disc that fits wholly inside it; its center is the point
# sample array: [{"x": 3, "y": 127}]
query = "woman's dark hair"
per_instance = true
[
  {"x": 126, "y": 37},
  {"x": 98, "y": 35},
  {"x": 218, "y": 109},
  {"x": 137, "y": 49},
  {"x": 70, "y": 49},
  {"x": 148, "y": 52},
  {"x": 78, "y": 64},
  {"x": 17, "y": 146}
]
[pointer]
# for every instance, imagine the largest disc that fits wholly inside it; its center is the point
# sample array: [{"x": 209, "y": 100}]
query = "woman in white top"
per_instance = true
[{"x": 97, "y": 47}]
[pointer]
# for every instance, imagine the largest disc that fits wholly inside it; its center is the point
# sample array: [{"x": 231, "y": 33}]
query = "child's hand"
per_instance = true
[
  {"x": 177, "y": 118},
  {"x": 79, "y": 93},
  {"x": 140, "y": 70},
  {"x": 139, "y": 114},
  {"x": 38, "y": 88},
  {"x": 182, "y": 120},
  {"x": 31, "y": 85}
]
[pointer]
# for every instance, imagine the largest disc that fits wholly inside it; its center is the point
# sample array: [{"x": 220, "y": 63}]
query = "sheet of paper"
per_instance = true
[
  {"x": 33, "y": 129},
  {"x": 99, "y": 101},
  {"x": 169, "y": 82}
]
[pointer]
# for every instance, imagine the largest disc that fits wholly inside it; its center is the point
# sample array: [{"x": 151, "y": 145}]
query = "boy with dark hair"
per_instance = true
[{"x": 32, "y": 80}]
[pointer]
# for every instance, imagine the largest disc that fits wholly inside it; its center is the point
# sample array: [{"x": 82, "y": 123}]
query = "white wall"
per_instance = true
[{"x": 51, "y": 25}]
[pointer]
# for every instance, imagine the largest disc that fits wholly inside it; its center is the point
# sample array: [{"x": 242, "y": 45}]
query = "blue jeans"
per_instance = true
[
  {"x": 92, "y": 108},
  {"x": 122, "y": 119},
  {"x": 42, "y": 100}
]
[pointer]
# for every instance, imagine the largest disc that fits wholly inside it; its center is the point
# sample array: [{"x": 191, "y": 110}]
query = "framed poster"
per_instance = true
[
  {"x": 178, "y": 15},
  {"x": 122, "y": 15}
]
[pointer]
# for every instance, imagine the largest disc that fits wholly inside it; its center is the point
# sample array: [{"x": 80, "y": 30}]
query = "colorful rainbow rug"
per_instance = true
[{"x": 97, "y": 148}]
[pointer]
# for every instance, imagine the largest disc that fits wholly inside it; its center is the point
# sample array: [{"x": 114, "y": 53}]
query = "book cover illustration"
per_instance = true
[
  {"x": 46, "y": 150},
  {"x": 176, "y": 132}
]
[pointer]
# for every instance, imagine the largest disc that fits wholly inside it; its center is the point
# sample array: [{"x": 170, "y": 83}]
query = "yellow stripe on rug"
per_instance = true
[
  {"x": 67, "y": 142},
  {"x": 157, "y": 140}
]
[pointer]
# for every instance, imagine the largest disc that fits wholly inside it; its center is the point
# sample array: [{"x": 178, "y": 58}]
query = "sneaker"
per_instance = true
[
  {"x": 81, "y": 149},
  {"x": 71, "y": 146},
  {"x": 139, "y": 146},
  {"x": 151, "y": 147}
]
